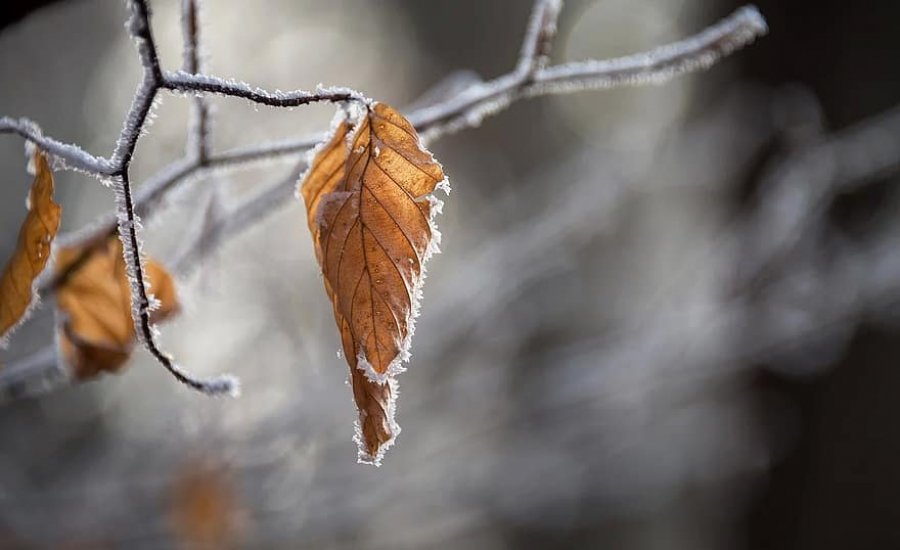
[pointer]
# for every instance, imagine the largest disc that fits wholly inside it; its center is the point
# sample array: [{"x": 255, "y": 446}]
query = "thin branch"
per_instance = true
[
  {"x": 139, "y": 28},
  {"x": 141, "y": 301},
  {"x": 539, "y": 37},
  {"x": 190, "y": 30},
  {"x": 659, "y": 65},
  {"x": 198, "y": 135},
  {"x": 469, "y": 107},
  {"x": 72, "y": 157},
  {"x": 181, "y": 81},
  {"x": 466, "y": 109},
  {"x": 654, "y": 67},
  {"x": 239, "y": 157},
  {"x": 128, "y": 221},
  {"x": 91, "y": 237}
]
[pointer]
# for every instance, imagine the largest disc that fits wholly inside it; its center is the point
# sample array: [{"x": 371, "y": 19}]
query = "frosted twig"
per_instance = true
[
  {"x": 248, "y": 155},
  {"x": 539, "y": 36},
  {"x": 128, "y": 221},
  {"x": 138, "y": 25},
  {"x": 181, "y": 81},
  {"x": 658, "y": 65},
  {"x": 73, "y": 157},
  {"x": 198, "y": 135},
  {"x": 469, "y": 106},
  {"x": 654, "y": 67},
  {"x": 466, "y": 108},
  {"x": 190, "y": 32}
]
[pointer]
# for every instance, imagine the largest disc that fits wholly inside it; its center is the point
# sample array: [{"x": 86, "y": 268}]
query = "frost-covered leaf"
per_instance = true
[
  {"x": 96, "y": 332},
  {"x": 370, "y": 209},
  {"x": 32, "y": 250}
]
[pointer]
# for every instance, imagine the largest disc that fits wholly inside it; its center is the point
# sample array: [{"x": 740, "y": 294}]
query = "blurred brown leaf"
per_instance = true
[
  {"x": 204, "y": 507},
  {"x": 370, "y": 210},
  {"x": 33, "y": 248},
  {"x": 97, "y": 332}
]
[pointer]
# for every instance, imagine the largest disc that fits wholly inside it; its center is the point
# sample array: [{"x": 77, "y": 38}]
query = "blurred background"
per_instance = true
[{"x": 663, "y": 318}]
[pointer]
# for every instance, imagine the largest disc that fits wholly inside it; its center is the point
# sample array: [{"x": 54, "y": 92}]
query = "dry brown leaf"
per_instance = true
[
  {"x": 32, "y": 251},
  {"x": 97, "y": 331},
  {"x": 370, "y": 209},
  {"x": 204, "y": 506}
]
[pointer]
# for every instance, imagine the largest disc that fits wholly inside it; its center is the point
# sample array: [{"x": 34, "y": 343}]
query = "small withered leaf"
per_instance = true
[
  {"x": 32, "y": 249},
  {"x": 370, "y": 209},
  {"x": 96, "y": 332},
  {"x": 205, "y": 511}
]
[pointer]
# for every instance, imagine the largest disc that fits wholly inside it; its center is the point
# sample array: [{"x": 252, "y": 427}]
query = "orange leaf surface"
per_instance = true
[
  {"x": 32, "y": 251},
  {"x": 370, "y": 209},
  {"x": 97, "y": 333}
]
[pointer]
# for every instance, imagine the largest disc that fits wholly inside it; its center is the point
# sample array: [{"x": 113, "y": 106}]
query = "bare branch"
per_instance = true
[
  {"x": 198, "y": 135},
  {"x": 471, "y": 106},
  {"x": 464, "y": 109},
  {"x": 183, "y": 82},
  {"x": 539, "y": 36},
  {"x": 273, "y": 150},
  {"x": 659, "y": 65},
  {"x": 141, "y": 298},
  {"x": 467, "y": 108},
  {"x": 128, "y": 221},
  {"x": 654, "y": 67},
  {"x": 190, "y": 29},
  {"x": 138, "y": 26},
  {"x": 71, "y": 156}
]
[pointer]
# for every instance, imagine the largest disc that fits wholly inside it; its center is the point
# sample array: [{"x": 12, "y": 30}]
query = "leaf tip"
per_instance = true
[{"x": 393, "y": 369}]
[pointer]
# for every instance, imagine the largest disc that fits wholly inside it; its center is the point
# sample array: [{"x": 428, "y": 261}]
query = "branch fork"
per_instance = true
[{"x": 533, "y": 76}]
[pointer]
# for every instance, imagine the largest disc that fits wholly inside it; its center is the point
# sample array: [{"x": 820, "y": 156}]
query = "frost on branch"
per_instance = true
[
  {"x": 660, "y": 64},
  {"x": 378, "y": 200},
  {"x": 370, "y": 209}
]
